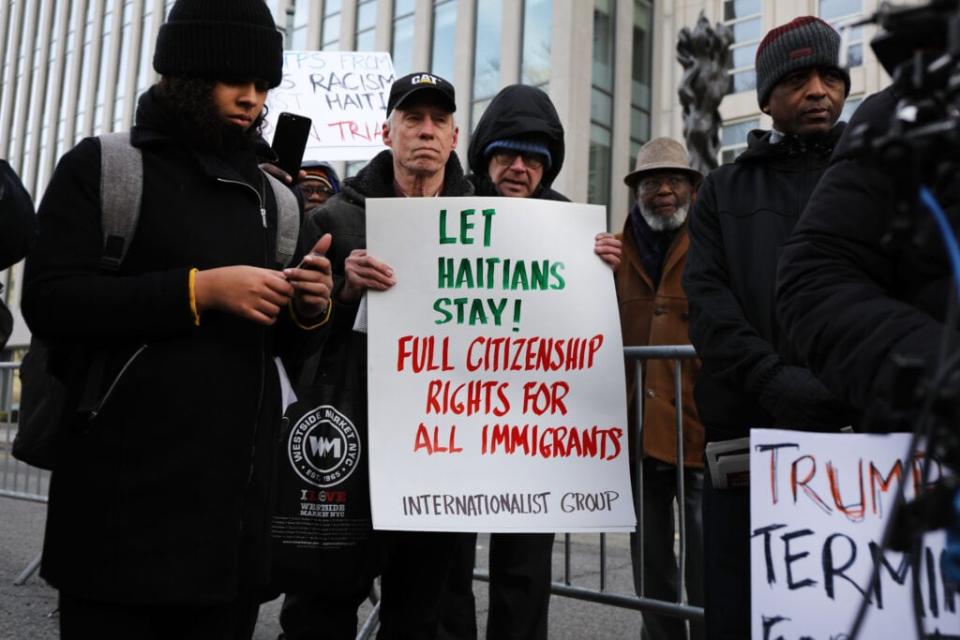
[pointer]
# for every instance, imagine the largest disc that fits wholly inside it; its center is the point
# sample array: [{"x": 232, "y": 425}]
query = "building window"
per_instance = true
[
  {"x": 641, "y": 71},
  {"x": 353, "y": 168},
  {"x": 601, "y": 103},
  {"x": 745, "y": 19},
  {"x": 402, "y": 50},
  {"x": 297, "y": 36},
  {"x": 86, "y": 72},
  {"x": 849, "y": 107},
  {"x": 842, "y": 12},
  {"x": 535, "y": 58},
  {"x": 486, "y": 57},
  {"x": 733, "y": 138},
  {"x": 366, "y": 25},
  {"x": 444, "y": 37},
  {"x": 125, "y": 59},
  {"x": 330, "y": 31}
]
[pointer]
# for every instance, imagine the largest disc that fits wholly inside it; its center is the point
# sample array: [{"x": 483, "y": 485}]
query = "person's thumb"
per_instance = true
[{"x": 323, "y": 244}]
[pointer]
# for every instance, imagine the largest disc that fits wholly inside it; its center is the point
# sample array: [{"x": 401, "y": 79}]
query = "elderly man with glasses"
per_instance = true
[{"x": 516, "y": 151}]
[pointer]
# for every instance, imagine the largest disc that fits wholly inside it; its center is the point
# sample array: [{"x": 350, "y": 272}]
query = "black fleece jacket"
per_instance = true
[
  {"x": 18, "y": 223},
  {"x": 849, "y": 300},
  {"x": 744, "y": 213}
]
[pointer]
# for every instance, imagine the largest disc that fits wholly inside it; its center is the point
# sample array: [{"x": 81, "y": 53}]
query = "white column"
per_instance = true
[
  {"x": 422, "y": 36},
  {"x": 463, "y": 71},
  {"x": 9, "y": 81},
  {"x": 129, "y": 86},
  {"x": 571, "y": 57},
  {"x": 25, "y": 88},
  {"x": 622, "y": 98},
  {"x": 75, "y": 72},
  {"x": 95, "y": 54},
  {"x": 113, "y": 68},
  {"x": 510, "y": 36},
  {"x": 29, "y": 172},
  {"x": 56, "y": 97}
]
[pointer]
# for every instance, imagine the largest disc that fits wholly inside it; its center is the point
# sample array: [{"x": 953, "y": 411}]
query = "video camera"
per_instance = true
[{"x": 919, "y": 46}]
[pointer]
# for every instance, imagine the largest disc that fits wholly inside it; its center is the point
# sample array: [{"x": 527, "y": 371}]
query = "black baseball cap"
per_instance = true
[{"x": 422, "y": 82}]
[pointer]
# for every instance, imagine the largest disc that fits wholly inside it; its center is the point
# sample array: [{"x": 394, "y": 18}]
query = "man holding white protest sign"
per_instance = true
[{"x": 421, "y": 134}]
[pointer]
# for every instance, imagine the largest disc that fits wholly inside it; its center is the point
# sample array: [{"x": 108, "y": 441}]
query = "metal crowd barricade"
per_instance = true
[
  {"x": 679, "y": 609},
  {"x": 17, "y": 480}
]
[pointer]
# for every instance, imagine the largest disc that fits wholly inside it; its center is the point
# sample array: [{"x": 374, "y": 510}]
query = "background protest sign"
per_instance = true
[
  {"x": 495, "y": 369},
  {"x": 818, "y": 503},
  {"x": 344, "y": 93}
]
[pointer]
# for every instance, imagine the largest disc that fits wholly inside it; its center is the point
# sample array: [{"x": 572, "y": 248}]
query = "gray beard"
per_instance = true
[{"x": 665, "y": 223}]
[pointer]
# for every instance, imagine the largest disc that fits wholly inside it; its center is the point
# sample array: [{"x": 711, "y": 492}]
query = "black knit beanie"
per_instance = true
[
  {"x": 802, "y": 43},
  {"x": 220, "y": 40}
]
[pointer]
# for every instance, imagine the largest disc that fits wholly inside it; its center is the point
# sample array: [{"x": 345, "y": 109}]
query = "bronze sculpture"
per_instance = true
[{"x": 704, "y": 54}]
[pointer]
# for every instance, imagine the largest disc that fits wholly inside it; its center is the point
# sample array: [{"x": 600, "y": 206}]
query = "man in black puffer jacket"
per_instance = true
[
  {"x": 744, "y": 213},
  {"x": 160, "y": 502},
  {"x": 852, "y": 302},
  {"x": 516, "y": 151}
]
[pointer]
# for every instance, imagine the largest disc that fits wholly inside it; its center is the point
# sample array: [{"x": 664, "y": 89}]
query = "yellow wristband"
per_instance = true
[
  {"x": 193, "y": 296},
  {"x": 323, "y": 320}
]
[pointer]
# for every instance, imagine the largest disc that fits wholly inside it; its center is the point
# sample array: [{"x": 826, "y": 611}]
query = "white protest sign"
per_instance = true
[
  {"x": 344, "y": 93},
  {"x": 495, "y": 369},
  {"x": 818, "y": 503}
]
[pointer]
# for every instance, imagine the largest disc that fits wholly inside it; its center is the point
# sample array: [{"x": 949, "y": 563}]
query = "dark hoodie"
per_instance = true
[
  {"x": 744, "y": 213},
  {"x": 518, "y": 111},
  {"x": 326, "y": 166}
]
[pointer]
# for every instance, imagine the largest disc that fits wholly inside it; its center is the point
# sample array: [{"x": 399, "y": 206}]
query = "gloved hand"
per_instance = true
[{"x": 795, "y": 398}]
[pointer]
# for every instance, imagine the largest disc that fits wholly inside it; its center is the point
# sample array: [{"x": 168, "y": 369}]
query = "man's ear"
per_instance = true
[{"x": 385, "y": 133}]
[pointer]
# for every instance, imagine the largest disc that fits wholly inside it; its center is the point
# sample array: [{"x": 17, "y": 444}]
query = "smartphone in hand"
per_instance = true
[{"x": 289, "y": 141}]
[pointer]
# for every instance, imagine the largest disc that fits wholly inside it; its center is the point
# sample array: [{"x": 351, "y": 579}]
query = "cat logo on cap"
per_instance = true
[{"x": 424, "y": 78}]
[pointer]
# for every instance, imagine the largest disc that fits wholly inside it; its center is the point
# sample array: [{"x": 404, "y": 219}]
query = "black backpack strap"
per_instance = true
[{"x": 121, "y": 191}]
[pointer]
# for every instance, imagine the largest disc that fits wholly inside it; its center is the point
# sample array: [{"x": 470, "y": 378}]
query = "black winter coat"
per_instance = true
[
  {"x": 847, "y": 300},
  {"x": 18, "y": 223},
  {"x": 517, "y": 111},
  {"x": 164, "y": 497},
  {"x": 744, "y": 213}
]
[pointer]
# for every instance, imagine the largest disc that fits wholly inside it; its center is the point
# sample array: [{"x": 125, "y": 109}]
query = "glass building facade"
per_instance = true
[{"x": 74, "y": 68}]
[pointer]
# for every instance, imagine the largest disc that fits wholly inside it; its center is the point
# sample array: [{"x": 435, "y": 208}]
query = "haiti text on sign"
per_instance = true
[{"x": 344, "y": 93}]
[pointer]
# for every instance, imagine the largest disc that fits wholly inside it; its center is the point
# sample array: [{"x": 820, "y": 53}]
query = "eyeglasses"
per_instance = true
[
  {"x": 651, "y": 184},
  {"x": 506, "y": 157},
  {"x": 309, "y": 189}
]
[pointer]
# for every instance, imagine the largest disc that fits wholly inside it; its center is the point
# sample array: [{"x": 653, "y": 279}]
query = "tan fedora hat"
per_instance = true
[{"x": 660, "y": 154}]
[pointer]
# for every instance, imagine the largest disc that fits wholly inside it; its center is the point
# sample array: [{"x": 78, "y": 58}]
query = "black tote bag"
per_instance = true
[{"x": 321, "y": 530}]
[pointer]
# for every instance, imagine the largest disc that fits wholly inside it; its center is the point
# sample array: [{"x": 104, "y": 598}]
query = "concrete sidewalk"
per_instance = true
[{"x": 27, "y": 612}]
